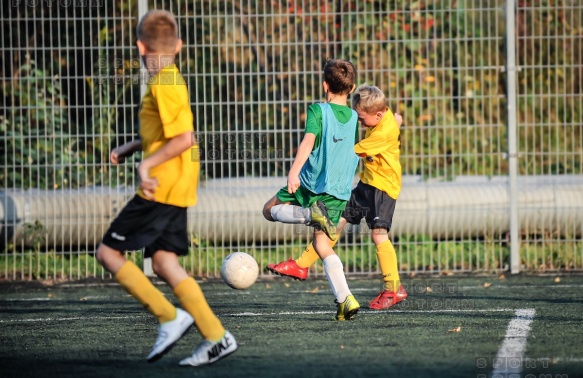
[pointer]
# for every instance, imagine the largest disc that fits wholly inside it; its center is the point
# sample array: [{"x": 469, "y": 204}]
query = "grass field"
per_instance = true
[{"x": 513, "y": 326}]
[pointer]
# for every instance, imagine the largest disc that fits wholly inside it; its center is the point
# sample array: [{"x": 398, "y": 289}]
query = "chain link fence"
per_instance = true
[{"x": 71, "y": 85}]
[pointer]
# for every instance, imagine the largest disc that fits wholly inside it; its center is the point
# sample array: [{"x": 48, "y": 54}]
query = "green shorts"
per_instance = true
[{"x": 304, "y": 198}]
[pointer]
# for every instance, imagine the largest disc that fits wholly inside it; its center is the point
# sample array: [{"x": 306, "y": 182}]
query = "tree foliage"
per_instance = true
[{"x": 71, "y": 83}]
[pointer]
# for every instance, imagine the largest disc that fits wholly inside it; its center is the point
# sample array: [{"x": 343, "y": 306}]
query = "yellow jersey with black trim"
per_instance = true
[
  {"x": 381, "y": 149},
  {"x": 165, "y": 113}
]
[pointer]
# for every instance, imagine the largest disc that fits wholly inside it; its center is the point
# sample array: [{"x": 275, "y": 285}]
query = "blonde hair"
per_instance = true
[
  {"x": 158, "y": 31},
  {"x": 369, "y": 99}
]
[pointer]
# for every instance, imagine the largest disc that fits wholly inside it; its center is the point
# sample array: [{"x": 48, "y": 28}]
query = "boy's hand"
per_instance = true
[
  {"x": 147, "y": 184},
  {"x": 293, "y": 183},
  {"x": 399, "y": 119},
  {"x": 117, "y": 156}
]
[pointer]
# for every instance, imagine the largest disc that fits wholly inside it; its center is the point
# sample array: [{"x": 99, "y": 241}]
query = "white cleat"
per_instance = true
[
  {"x": 169, "y": 333},
  {"x": 211, "y": 351}
]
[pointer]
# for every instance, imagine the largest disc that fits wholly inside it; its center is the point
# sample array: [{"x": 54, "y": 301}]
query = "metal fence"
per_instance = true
[{"x": 492, "y": 140}]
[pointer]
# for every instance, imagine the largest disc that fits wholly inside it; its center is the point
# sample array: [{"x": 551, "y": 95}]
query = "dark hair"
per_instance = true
[
  {"x": 158, "y": 31},
  {"x": 340, "y": 75}
]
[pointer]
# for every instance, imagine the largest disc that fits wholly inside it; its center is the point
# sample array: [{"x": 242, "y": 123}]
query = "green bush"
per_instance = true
[{"x": 38, "y": 147}]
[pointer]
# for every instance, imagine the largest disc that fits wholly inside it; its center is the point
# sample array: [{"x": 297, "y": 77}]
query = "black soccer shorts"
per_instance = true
[
  {"x": 150, "y": 225},
  {"x": 370, "y": 203}
]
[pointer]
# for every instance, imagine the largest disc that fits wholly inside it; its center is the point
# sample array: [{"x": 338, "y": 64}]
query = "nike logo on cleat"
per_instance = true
[{"x": 218, "y": 348}]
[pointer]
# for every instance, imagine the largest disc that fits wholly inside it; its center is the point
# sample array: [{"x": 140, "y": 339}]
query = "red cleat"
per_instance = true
[
  {"x": 387, "y": 299},
  {"x": 289, "y": 268}
]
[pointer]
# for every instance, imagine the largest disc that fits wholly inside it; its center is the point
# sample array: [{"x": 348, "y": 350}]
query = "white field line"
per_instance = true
[
  {"x": 319, "y": 285},
  {"x": 311, "y": 290},
  {"x": 27, "y": 300},
  {"x": 370, "y": 312},
  {"x": 72, "y": 318},
  {"x": 325, "y": 283},
  {"x": 550, "y": 286},
  {"x": 556, "y": 360},
  {"x": 60, "y": 299},
  {"x": 257, "y": 314},
  {"x": 511, "y": 353},
  {"x": 445, "y": 289}
]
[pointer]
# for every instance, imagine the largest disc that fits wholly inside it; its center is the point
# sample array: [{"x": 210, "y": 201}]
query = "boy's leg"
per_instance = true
[
  {"x": 173, "y": 322},
  {"x": 310, "y": 256},
  {"x": 380, "y": 218},
  {"x": 137, "y": 225},
  {"x": 299, "y": 268},
  {"x": 218, "y": 341},
  {"x": 188, "y": 292},
  {"x": 301, "y": 207},
  {"x": 290, "y": 214},
  {"x": 387, "y": 258},
  {"x": 393, "y": 292},
  {"x": 274, "y": 208},
  {"x": 347, "y": 305},
  {"x": 292, "y": 268},
  {"x": 321, "y": 220},
  {"x": 135, "y": 282},
  {"x": 273, "y": 201},
  {"x": 315, "y": 216}
]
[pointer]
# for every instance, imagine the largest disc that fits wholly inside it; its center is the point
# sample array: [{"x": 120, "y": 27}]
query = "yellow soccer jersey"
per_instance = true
[
  {"x": 165, "y": 113},
  {"x": 381, "y": 148}
]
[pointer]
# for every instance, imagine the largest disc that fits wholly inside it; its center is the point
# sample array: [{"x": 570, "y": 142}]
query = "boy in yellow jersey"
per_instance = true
[
  {"x": 156, "y": 217},
  {"x": 320, "y": 178},
  {"x": 374, "y": 197}
]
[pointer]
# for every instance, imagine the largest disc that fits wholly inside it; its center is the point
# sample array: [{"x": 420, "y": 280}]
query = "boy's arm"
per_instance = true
[
  {"x": 304, "y": 151},
  {"x": 173, "y": 148},
  {"x": 376, "y": 143},
  {"x": 118, "y": 155},
  {"x": 373, "y": 145}
]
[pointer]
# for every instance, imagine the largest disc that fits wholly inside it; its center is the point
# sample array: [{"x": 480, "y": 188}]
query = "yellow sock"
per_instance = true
[
  {"x": 310, "y": 256},
  {"x": 193, "y": 301},
  {"x": 389, "y": 266},
  {"x": 135, "y": 282}
]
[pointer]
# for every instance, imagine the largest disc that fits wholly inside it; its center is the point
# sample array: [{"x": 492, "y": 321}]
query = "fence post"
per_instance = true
[
  {"x": 511, "y": 129},
  {"x": 142, "y": 9}
]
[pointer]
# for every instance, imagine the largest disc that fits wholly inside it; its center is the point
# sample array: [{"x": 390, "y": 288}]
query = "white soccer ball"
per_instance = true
[{"x": 239, "y": 270}]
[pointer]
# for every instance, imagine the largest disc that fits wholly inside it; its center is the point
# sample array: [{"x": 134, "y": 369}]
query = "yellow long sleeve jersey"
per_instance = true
[{"x": 381, "y": 148}]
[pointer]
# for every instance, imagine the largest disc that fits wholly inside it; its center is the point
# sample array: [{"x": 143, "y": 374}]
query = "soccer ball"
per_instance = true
[{"x": 239, "y": 270}]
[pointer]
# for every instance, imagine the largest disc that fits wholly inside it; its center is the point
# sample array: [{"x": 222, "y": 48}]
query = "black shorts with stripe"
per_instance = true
[
  {"x": 370, "y": 203},
  {"x": 151, "y": 225}
]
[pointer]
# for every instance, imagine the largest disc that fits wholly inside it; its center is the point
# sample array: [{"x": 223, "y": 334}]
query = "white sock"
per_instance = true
[
  {"x": 291, "y": 214},
  {"x": 335, "y": 273}
]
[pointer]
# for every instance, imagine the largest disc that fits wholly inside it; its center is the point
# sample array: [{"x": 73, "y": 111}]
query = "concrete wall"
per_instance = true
[{"x": 230, "y": 210}]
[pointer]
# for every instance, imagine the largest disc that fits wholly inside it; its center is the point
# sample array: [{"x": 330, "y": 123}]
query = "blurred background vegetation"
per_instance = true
[
  {"x": 71, "y": 87},
  {"x": 71, "y": 83}
]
